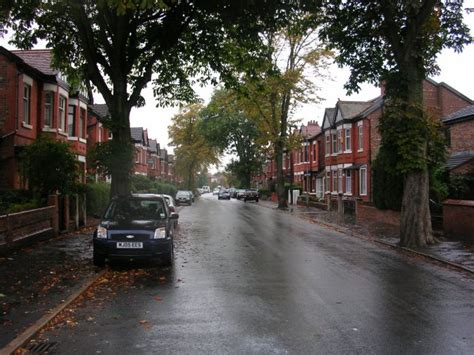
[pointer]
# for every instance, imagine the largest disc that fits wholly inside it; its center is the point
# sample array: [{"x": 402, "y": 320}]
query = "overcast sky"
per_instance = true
[{"x": 457, "y": 70}]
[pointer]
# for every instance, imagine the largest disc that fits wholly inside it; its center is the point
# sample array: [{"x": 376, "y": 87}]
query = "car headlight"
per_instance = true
[
  {"x": 160, "y": 233},
  {"x": 101, "y": 232}
]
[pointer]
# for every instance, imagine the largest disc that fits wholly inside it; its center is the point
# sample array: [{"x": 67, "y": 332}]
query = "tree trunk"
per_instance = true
[
  {"x": 415, "y": 226},
  {"x": 122, "y": 150},
  {"x": 280, "y": 181},
  {"x": 415, "y": 219}
]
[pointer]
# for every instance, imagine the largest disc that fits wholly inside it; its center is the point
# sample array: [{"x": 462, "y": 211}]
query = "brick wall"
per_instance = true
[
  {"x": 25, "y": 226},
  {"x": 462, "y": 136},
  {"x": 458, "y": 218}
]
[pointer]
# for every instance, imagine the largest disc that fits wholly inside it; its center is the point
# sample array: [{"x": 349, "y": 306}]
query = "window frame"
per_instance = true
[
  {"x": 48, "y": 109},
  {"x": 360, "y": 137},
  {"x": 26, "y": 104},
  {"x": 71, "y": 116},
  {"x": 62, "y": 103},
  {"x": 363, "y": 182},
  {"x": 347, "y": 140},
  {"x": 348, "y": 175}
]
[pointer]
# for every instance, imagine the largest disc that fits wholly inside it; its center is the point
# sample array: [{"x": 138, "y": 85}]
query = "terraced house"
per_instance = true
[
  {"x": 36, "y": 99},
  {"x": 335, "y": 160}
]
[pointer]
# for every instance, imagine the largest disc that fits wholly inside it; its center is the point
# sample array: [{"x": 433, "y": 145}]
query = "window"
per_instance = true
[
  {"x": 339, "y": 180},
  {"x": 306, "y": 153},
  {"x": 48, "y": 109},
  {"x": 327, "y": 183},
  {"x": 328, "y": 144},
  {"x": 339, "y": 141},
  {"x": 363, "y": 181},
  {"x": 347, "y": 137},
  {"x": 26, "y": 104},
  {"x": 334, "y": 143},
  {"x": 360, "y": 137},
  {"x": 348, "y": 182},
  {"x": 82, "y": 123},
  {"x": 71, "y": 120},
  {"x": 62, "y": 113},
  {"x": 99, "y": 134},
  {"x": 334, "y": 181}
]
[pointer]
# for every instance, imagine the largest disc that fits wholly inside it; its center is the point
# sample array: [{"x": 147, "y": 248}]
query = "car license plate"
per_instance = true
[{"x": 129, "y": 245}]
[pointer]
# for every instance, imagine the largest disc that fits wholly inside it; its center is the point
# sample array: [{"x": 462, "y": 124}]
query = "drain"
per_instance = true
[{"x": 42, "y": 348}]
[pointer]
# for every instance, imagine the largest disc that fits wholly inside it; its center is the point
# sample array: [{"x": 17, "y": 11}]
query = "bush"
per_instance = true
[
  {"x": 141, "y": 183},
  {"x": 461, "y": 186},
  {"x": 388, "y": 183},
  {"x": 264, "y": 193},
  {"x": 12, "y": 201},
  {"x": 97, "y": 197}
]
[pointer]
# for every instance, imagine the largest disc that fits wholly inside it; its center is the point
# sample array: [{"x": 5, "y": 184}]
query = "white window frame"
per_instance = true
[
  {"x": 334, "y": 181},
  {"x": 360, "y": 136},
  {"x": 339, "y": 180},
  {"x": 363, "y": 182},
  {"x": 26, "y": 104},
  {"x": 73, "y": 123},
  {"x": 48, "y": 109},
  {"x": 339, "y": 140},
  {"x": 334, "y": 143},
  {"x": 82, "y": 122},
  {"x": 62, "y": 113},
  {"x": 328, "y": 145},
  {"x": 347, "y": 140},
  {"x": 348, "y": 182}
]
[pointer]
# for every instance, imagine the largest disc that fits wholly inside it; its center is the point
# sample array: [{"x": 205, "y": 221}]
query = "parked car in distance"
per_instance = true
[
  {"x": 139, "y": 226},
  {"x": 192, "y": 195},
  {"x": 240, "y": 194},
  {"x": 216, "y": 191},
  {"x": 224, "y": 194},
  {"x": 251, "y": 195},
  {"x": 171, "y": 206},
  {"x": 206, "y": 189},
  {"x": 184, "y": 197}
]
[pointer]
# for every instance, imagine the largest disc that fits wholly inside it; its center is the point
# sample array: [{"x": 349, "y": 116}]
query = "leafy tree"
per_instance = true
[
  {"x": 119, "y": 46},
  {"x": 192, "y": 151},
  {"x": 226, "y": 127},
  {"x": 49, "y": 166},
  {"x": 296, "y": 60},
  {"x": 397, "y": 41}
]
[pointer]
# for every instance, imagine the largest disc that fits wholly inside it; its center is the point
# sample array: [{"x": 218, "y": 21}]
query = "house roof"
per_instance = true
[
  {"x": 461, "y": 115},
  {"x": 153, "y": 145},
  {"x": 329, "y": 117},
  {"x": 457, "y": 159},
  {"x": 351, "y": 109},
  {"x": 101, "y": 110},
  {"x": 137, "y": 134},
  {"x": 39, "y": 59}
]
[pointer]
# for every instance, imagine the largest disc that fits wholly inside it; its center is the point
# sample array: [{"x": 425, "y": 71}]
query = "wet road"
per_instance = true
[{"x": 249, "y": 279}]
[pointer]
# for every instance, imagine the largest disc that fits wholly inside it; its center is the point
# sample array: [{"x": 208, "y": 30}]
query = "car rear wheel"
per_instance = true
[{"x": 98, "y": 260}]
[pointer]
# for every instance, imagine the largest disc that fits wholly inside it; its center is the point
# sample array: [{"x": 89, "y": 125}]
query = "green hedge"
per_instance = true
[
  {"x": 144, "y": 184},
  {"x": 12, "y": 201},
  {"x": 97, "y": 197}
]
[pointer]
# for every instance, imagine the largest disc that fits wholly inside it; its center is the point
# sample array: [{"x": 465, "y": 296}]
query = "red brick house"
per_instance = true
[
  {"x": 460, "y": 135},
  {"x": 154, "y": 166},
  {"x": 36, "y": 99},
  {"x": 97, "y": 133},
  {"x": 140, "y": 140},
  {"x": 352, "y": 138}
]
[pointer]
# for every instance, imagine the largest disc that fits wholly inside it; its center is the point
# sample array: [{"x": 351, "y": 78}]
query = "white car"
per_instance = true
[{"x": 216, "y": 191}]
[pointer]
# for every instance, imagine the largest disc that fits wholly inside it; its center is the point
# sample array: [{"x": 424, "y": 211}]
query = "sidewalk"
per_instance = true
[
  {"x": 36, "y": 279},
  {"x": 449, "y": 251}
]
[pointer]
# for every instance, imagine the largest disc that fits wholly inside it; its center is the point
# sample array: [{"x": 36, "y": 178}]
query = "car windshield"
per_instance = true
[
  {"x": 182, "y": 193},
  {"x": 136, "y": 209}
]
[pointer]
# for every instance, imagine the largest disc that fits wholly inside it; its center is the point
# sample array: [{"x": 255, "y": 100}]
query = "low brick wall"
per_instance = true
[
  {"x": 25, "y": 227},
  {"x": 372, "y": 214},
  {"x": 458, "y": 218}
]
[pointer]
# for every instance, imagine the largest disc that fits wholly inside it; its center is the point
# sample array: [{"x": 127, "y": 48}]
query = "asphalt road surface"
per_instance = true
[{"x": 253, "y": 280}]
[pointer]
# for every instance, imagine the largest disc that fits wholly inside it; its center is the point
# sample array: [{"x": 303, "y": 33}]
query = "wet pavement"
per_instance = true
[
  {"x": 460, "y": 252},
  {"x": 38, "y": 278},
  {"x": 248, "y": 279}
]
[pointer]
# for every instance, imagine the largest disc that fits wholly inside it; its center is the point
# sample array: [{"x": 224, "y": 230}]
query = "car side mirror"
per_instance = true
[
  {"x": 171, "y": 208},
  {"x": 174, "y": 215}
]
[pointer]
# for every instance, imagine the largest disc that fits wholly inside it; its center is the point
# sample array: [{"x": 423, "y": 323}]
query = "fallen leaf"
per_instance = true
[{"x": 158, "y": 298}]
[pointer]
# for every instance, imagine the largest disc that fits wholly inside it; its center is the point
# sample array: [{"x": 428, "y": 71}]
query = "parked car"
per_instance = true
[
  {"x": 251, "y": 195},
  {"x": 216, "y": 191},
  {"x": 224, "y": 194},
  {"x": 192, "y": 195},
  {"x": 171, "y": 206},
  {"x": 135, "y": 227},
  {"x": 240, "y": 194},
  {"x": 184, "y": 197}
]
